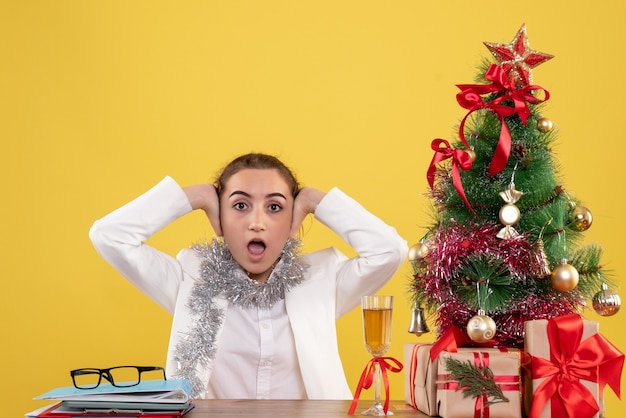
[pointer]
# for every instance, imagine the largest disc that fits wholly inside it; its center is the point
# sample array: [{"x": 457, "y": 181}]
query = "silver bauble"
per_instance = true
[{"x": 606, "y": 302}]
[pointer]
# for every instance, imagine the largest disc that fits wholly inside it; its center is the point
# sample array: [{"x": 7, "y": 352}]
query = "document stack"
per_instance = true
[{"x": 150, "y": 398}]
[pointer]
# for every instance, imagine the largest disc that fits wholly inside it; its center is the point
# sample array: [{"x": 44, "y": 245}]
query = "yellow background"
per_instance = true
[{"x": 101, "y": 99}]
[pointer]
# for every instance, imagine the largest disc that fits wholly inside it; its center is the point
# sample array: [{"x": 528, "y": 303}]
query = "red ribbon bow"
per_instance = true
[
  {"x": 470, "y": 98},
  {"x": 450, "y": 341},
  {"x": 367, "y": 378},
  {"x": 595, "y": 360},
  {"x": 460, "y": 158},
  {"x": 454, "y": 338}
]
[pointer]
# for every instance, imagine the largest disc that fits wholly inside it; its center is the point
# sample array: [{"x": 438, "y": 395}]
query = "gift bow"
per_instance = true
[
  {"x": 460, "y": 158},
  {"x": 367, "y": 378},
  {"x": 454, "y": 338},
  {"x": 471, "y": 98},
  {"x": 450, "y": 341},
  {"x": 595, "y": 359}
]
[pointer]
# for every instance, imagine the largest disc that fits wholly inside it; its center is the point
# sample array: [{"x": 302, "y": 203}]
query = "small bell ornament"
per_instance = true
[
  {"x": 418, "y": 323},
  {"x": 545, "y": 271},
  {"x": 509, "y": 213},
  {"x": 564, "y": 277},
  {"x": 481, "y": 328},
  {"x": 606, "y": 302}
]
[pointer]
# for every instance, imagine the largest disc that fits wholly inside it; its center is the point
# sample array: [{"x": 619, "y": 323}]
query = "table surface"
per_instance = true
[{"x": 289, "y": 408}]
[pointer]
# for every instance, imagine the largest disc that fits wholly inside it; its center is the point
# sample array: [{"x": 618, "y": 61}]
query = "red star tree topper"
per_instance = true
[{"x": 517, "y": 59}]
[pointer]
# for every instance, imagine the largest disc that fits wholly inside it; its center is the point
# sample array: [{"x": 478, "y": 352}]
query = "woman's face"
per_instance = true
[{"x": 256, "y": 209}]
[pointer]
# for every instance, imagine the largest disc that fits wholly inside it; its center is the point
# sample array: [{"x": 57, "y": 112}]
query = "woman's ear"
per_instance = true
[
  {"x": 214, "y": 212},
  {"x": 216, "y": 221},
  {"x": 295, "y": 227},
  {"x": 298, "y": 215}
]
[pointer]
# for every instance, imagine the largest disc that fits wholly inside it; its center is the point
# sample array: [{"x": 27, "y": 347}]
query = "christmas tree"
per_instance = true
[{"x": 506, "y": 242}]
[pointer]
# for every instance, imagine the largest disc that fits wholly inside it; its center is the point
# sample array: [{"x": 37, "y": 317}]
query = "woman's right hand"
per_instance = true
[{"x": 204, "y": 196}]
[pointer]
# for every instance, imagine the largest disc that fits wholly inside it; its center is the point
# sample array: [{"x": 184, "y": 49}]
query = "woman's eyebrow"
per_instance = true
[
  {"x": 241, "y": 192},
  {"x": 277, "y": 194}
]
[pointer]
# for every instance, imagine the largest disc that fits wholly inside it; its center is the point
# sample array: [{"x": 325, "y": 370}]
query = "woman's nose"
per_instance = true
[{"x": 256, "y": 222}]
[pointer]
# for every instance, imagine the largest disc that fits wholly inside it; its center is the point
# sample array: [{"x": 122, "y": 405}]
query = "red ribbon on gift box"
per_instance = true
[
  {"x": 367, "y": 378},
  {"x": 595, "y": 360},
  {"x": 471, "y": 98},
  {"x": 412, "y": 372}
]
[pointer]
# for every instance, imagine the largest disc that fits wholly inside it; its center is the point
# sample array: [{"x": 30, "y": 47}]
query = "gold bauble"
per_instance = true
[
  {"x": 544, "y": 124},
  {"x": 564, "y": 277},
  {"x": 481, "y": 328},
  {"x": 580, "y": 218},
  {"x": 606, "y": 302},
  {"x": 418, "y": 251},
  {"x": 509, "y": 214}
]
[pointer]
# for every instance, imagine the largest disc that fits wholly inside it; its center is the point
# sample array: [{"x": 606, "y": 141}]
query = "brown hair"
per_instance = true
[{"x": 257, "y": 161}]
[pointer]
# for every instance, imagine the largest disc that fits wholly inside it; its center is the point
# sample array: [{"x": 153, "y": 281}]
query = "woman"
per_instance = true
[{"x": 252, "y": 317}]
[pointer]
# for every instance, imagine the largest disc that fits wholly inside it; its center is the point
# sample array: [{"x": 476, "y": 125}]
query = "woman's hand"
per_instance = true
[
  {"x": 306, "y": 201},
  {"x": 204, "y": 196}
]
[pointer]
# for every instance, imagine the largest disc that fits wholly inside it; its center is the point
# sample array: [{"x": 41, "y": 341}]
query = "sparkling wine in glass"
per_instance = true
[{"x": 377, "y": 335}]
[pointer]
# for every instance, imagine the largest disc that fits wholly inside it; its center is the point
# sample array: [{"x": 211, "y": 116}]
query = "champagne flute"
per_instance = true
[{"x": 377, "y": 335}]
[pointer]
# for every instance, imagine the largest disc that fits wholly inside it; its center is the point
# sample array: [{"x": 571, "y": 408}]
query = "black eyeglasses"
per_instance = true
[{"x": 119, "y": 376}]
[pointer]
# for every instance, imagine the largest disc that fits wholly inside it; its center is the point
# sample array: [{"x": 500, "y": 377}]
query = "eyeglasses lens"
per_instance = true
[
  {"x": 86, "y": 378},
  {"x": 124, "y": 376}
]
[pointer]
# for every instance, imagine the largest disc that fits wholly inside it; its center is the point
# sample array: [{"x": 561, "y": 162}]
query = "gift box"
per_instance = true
[
  {"x": 420, "y": 375},
  {"x": 569, "y": 363},
  {"x": 488, "y": 369},
  {"x": 420, "y": 382}
]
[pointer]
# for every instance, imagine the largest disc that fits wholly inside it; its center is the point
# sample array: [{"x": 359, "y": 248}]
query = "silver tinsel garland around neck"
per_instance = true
[{"x": 221, "y": 276}]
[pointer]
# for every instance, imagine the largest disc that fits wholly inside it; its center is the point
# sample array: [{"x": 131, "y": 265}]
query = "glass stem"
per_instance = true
[{"x": 377, "y": 383}]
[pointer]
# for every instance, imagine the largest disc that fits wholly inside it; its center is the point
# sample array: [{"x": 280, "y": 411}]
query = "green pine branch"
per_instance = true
[
  {"x": 484, "y": 282},
  {"x": 475, "y": 380},
  {"x": 586, "y": 259}
]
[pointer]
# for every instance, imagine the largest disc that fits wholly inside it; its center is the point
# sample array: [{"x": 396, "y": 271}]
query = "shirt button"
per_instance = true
[{"x": 265, "y": 325}]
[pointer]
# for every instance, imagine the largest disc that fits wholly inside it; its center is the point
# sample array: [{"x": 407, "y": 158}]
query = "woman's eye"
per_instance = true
[
  {"x": 275, "y": 207},
  {"x": 239, "y": 206}
]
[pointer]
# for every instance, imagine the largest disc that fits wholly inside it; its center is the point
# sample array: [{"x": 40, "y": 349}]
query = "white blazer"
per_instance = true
[{"x": 332, "y": 286}]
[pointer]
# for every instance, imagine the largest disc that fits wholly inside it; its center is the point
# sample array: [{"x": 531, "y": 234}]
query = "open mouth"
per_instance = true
[{"x": 256, "y": 247}]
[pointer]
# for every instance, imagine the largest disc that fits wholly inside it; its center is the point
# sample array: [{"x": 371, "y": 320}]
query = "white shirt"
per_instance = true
[{"x": 260, "y": 344}]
